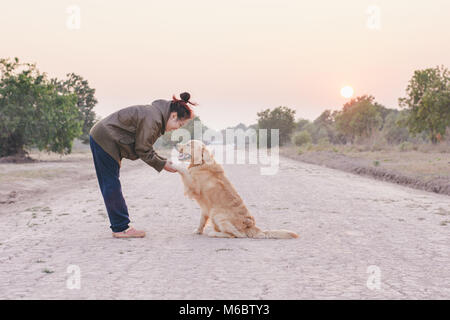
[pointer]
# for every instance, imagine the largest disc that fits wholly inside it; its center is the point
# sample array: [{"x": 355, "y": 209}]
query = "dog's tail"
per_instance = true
[
  {"x": 279, "y": 234},
  {"x": 271, "y": 234}
]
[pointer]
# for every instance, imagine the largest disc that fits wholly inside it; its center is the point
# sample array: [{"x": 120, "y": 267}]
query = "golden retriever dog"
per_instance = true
[{"x": 204, "y": 180}]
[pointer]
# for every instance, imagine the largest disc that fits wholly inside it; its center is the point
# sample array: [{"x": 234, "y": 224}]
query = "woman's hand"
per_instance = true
[{"x": 168, "y": 167}]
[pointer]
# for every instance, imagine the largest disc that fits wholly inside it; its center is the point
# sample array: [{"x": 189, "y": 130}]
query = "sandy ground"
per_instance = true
[{"x": 355, "y": 233}]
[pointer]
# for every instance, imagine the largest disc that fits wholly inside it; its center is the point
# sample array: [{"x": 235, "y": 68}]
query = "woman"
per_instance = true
[{"x": 130, "y": 133}]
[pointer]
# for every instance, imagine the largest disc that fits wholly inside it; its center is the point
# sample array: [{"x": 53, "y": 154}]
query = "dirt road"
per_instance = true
[{"x": 359, "y": 238}]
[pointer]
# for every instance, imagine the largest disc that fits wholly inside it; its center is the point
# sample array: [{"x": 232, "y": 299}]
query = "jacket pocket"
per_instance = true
[{"x": 127, "y": 148}]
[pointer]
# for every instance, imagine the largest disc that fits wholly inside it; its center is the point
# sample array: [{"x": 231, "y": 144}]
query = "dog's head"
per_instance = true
[{"x": 196, "y": 151}]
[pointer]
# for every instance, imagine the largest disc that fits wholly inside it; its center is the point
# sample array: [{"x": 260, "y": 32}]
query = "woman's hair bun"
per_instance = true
[
  {"x": 185, "y": 96},
  {"x": 181, "y": 107}
]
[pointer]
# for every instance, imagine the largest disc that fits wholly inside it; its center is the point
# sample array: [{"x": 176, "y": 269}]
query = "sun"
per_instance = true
[{"x": 347, "y": 92}]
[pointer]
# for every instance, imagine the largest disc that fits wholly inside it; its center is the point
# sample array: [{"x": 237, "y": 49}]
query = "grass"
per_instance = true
[
  {"x": 47, "y": 174},
  {"x": 422, "y": 160},
  {"x": 438, "y": 150}
]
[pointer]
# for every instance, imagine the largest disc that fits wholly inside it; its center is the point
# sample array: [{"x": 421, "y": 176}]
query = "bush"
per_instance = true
[
  {"x": 379, "y": 144},
  {"x": 301, "y": 138},
  {"x": 425, "y": 147},
  {"x": 34, "y": 111},
  {"x": 393, "y": 132},
  {"x": 324, "y": 141},
  {"x": 281, "y": 118},
  {"x": 405, "y": 146}
]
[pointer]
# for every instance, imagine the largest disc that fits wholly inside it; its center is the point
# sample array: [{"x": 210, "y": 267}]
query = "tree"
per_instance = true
[
  {"x": 428, "y": 100},
  {"x": 86, "y": 100},
  {"x": 300, "y": 124},
  {"x": 237, "y": 130},
  {"x": 324, "y": 127},
  {"x": 359, "y": 118},
  {"x": 281, "y": 118},
  {"x": 325, "y": 119},
  {"x": 301, "y": 138},
  {"x": 33, "y": 112},
  {"x": 392, "y": 131}
]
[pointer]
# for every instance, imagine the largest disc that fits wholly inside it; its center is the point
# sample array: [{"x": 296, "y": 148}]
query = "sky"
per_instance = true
[{"x": 235, "y": 57}]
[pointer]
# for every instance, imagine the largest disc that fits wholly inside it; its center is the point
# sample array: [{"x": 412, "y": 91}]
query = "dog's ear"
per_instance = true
[
  {"x": 196, "y": 154},
  {"x": 206, "y": 155}
]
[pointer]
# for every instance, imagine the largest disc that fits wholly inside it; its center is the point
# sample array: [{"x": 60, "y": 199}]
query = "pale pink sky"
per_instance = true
[{"x": 235, "y": 57}]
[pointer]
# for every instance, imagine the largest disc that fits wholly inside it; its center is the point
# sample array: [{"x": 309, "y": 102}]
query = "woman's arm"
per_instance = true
[
  {"x": 146, "y": 134},
  {"x": 169, "y": 167}
]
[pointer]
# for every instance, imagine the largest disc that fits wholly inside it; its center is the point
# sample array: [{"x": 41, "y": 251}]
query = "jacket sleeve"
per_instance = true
[{"x": 147, "y": 132}]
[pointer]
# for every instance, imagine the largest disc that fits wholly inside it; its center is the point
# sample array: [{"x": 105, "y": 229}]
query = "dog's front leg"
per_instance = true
[
  {"x": 203, "y": 221},
  {"x": 184, "y": 173},
  {"x": 182, "y": 170},
  {"x": 191, "y": 187}
]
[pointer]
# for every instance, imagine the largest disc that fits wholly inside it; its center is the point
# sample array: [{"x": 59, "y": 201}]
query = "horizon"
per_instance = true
[{"x": 235, "y": 58}]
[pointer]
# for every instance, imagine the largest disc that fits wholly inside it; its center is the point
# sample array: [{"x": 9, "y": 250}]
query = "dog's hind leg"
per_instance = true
[
  {"x": 228, "y": 227},
  {"x": 225, "y": 226}
]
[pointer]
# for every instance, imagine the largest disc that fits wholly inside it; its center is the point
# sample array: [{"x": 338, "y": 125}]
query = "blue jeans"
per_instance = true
[{"x": 108, "y": 179}]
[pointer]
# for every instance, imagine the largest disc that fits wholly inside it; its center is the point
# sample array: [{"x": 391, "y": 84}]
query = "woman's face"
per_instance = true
[{"x": 174, "y": 123}]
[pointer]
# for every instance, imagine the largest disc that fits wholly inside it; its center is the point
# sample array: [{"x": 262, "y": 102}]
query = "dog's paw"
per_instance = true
[
  {"x": 198, "y": 231},
  {"x": 180, "y": 167}
]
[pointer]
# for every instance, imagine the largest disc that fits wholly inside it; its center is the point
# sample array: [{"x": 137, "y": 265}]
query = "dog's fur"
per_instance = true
[{"x": 204, "y": 181}]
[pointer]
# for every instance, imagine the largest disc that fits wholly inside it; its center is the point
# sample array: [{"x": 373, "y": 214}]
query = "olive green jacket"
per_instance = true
[{"x": 131, "y": 132}]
